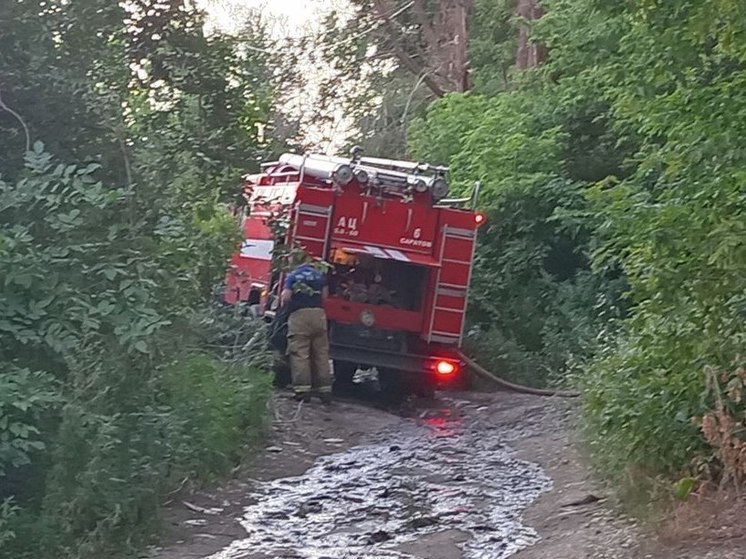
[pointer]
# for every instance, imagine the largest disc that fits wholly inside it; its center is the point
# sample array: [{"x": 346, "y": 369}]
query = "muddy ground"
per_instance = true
[{"x": 473, "y": 475}]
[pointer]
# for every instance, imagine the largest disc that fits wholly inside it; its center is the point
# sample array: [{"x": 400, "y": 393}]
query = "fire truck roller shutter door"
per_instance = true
[
  {"x": 391, "y": 278},
  {"x": 388, "y": 254}
]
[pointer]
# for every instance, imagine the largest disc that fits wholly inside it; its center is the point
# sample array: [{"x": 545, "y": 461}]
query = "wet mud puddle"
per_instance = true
[{"x": 450, "y": 471}]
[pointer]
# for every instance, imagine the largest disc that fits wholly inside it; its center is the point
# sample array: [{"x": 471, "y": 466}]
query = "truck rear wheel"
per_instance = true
[
  {"x": 344, "y": 374},
  {"x": 401, "y": 384},
  {"x": 281, "y": 369},
  {"x": 425, "y": 390}
]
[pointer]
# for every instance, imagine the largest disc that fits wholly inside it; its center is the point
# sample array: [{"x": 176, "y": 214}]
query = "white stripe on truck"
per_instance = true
[
  {"x": 375, "y": 251},
  {"x": 258, "y": 249},
  {"x": 397, "y": 255}
]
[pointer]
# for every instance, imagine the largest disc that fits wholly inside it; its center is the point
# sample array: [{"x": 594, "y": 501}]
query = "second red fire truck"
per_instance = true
[{"x": 400, "y": 254}]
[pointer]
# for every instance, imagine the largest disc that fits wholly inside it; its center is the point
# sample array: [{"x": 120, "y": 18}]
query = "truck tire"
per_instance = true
[
  {"x": 281, "y": 369},
  {"x": 401, "y": 384},
  {"x": 425, "y": 390},
  {"x": 396, "y": 385},
  {"x": 344, "y": 374}
]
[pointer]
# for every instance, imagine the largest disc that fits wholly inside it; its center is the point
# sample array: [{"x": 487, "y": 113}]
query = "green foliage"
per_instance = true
[
  {"x": 683, "y": 488},
  {"x": 382, "y": 97},
  {"x": 614, "y": 250},
  {"x": 25, "y": 397},
  {"x": 108, "y": 258},
  {"x": 191, "y": 102},
  {"x": 536, "y": 308},
  {"x": 675, "y": 225},
  {"x": 215, "y": 434},
  {"x": 7, "y": 513},
  {"x": 443, "y": 132},
  {"x": 112, "y": 470},
  {"x": 96, "y": 319},
  {"x": 493, "y": 43},
  {"x": 233, "y": 335},
  {"x": 639, "y": 410}
]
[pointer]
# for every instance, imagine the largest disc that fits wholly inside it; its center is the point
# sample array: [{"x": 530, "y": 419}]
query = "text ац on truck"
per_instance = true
[{"x": 400, "y": 254}]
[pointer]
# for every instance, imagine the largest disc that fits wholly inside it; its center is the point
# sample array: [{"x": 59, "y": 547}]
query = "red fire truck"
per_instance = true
[{"x": 400, "y": 255}]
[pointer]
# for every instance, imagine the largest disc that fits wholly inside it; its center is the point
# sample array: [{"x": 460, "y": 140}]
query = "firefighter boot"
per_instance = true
[
  {"x": 304, "y": 397},
  {"x": 326, "y": 398}
]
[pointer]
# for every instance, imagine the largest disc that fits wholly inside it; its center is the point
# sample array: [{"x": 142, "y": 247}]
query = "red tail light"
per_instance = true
[
  {"x": 479, "y": 218},
  {"x": 445, "y": 368}
]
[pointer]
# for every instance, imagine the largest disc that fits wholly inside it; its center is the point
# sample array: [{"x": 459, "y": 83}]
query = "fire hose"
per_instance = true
[{"x": 484, "y": 373}]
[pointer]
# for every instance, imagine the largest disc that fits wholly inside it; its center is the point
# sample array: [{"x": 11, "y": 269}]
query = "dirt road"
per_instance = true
[{"x": 482, "y": 476}]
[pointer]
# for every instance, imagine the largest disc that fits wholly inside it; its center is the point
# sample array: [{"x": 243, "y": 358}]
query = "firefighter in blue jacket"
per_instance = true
[{"x": 308, "y": 341}]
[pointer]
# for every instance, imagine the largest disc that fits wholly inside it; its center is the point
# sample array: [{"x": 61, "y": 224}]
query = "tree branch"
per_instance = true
[
  {"x": 427, "y": 28},
  {"x": 401, "y": 52},
  {"x": 409, "y": 100},
  {"x": 19, "y": 119}
]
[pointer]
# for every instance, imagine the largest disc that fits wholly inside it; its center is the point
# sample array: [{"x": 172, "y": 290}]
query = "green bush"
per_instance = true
[
  {"x": 638, "y": 409},
  {"x": 614, "y": 251},
  {"x": 559, "y": 336},
  {"x": 104, "y": 404},
  {"x": 536, "y": 307},
  {"x": 26, "y": 399},
  {"x": 108, "y": 259},
  {"x": 195, "y": 419},
  {"x": 233, "y": 403},
  {"x": 7, "y": 513},
  {"x": 676, "y": 227}
]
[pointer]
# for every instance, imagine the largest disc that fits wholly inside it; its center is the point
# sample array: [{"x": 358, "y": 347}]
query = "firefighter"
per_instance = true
[{"x": 308, "y": 342}]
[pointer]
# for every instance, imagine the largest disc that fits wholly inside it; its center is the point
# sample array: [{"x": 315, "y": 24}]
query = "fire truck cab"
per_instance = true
[{"x": 400, "y": 255}]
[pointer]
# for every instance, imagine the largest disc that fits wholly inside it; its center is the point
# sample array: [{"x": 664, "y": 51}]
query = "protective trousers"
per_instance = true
[{"x": 308, "y": 350}]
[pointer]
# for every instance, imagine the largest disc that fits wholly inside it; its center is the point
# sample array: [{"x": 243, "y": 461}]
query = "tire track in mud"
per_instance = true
[{"x": 450, "y": 470}]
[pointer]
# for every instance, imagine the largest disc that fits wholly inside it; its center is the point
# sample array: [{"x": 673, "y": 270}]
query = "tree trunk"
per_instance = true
[
  {"x": 442, "y": 61},
  {"x": 529, "y": 54},
  {"x": 451, "y": 50}
]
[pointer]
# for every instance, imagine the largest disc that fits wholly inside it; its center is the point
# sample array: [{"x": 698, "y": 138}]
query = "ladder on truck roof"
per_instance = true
[
  {"x": 312, "y": 228},
  {"x": 448, "y": 315}
]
